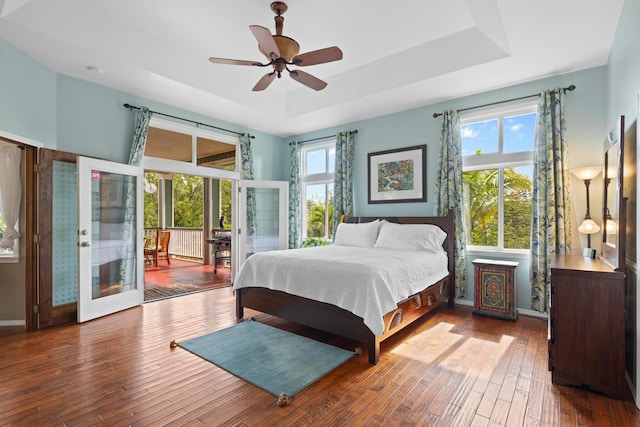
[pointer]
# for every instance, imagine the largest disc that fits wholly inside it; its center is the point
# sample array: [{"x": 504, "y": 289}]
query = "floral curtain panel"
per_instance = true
[
  {"x": 10, "y": 193},
  {"x": 246, "y": 156},
  {"x": 551, "y": 222},
  {"x": 129, "y": 190},
  {"x": 449, "y": 193},
  {"x": 140, "y": 136},
  {"x": 294, "y": 197},
  {"x": 343, "y": 177}
]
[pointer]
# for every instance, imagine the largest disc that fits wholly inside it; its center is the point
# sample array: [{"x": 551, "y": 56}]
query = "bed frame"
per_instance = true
[{"x": 330, "y": 318}]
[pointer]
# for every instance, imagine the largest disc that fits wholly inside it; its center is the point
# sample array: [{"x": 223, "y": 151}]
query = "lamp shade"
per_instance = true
[
  {"x": 588, "y": 226},
  {"x": 586, "y": 173}
]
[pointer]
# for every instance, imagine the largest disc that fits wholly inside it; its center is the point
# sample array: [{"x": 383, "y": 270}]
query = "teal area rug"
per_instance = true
[{"x": 272, "y": 359}]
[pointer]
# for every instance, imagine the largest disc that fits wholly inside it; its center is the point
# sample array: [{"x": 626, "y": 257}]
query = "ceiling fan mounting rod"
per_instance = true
[{"x": 279, "y": 8}]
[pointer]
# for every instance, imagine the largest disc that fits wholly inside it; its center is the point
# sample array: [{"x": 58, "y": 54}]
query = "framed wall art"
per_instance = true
[{"x": 398, "y": 175}]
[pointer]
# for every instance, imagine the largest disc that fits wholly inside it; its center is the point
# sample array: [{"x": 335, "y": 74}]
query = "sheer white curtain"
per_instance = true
[{"x": 10, "y": 192}]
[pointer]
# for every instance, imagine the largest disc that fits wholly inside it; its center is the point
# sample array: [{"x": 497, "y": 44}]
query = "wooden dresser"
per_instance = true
[{"x": 586, "y": 325}]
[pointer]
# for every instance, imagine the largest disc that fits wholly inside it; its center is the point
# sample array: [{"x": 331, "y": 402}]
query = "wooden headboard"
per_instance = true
[{"x": 446, "y": 223}]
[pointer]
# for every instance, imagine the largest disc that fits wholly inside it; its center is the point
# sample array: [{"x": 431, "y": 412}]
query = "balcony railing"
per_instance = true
[{"x": 184, "y": 243}]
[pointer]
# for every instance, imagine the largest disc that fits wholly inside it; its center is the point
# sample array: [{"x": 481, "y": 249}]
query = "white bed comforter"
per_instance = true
[{"x": 368, "y": 282}]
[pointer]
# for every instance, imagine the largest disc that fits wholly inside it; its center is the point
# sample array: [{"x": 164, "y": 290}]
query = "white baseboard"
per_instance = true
[
  {"x": 524, "y": 312},
  {"x": 12, "y": 323}
]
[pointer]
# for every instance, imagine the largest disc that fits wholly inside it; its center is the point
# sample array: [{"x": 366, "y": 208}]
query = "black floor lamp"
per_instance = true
[{"x": 588, "y": 226}]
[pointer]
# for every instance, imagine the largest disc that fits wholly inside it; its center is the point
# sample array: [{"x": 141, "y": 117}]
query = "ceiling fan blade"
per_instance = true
[
  {"x": 233, "y": 61},
  {"x": 319, "y": 56},
  {"x": 265, "y": 40},
  {"x": 308, "y": 80},
  {"x": 264, "y": 82}
]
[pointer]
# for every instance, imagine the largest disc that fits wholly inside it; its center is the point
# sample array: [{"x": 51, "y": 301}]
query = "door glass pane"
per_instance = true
[
  {"x": 113, "y": 233},
  {"x": 265, "y": 235},
  {"x": 64, "y": 257}
]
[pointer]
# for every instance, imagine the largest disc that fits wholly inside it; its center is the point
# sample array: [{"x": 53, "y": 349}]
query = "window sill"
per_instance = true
[
  {"x": 9, "y": 259},
  {"x": 502, "y": 253}
]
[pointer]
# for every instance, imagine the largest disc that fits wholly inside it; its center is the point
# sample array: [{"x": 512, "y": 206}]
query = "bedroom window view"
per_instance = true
[
  {"x": 4, "y": 251},
  {"x": 317, "y": 193},
  {"x": 497, "y": 178}
]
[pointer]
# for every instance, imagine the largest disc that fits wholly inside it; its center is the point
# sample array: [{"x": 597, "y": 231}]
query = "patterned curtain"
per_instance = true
[
  {"x": 343, "y": 177},
  {"x": 247, "y": 173},
  {"x": 551, "y": 222},
  {"x": 127, "y": 267},
  {"x": 449, "y": 193},
  {"x": 140, "y": 136},
  {"x": 294, "y": 197}
]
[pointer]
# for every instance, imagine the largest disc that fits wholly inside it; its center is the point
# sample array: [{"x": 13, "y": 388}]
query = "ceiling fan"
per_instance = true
[{"x": 282, "y": 51}]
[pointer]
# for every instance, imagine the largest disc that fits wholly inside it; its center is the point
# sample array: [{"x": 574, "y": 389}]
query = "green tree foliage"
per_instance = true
[
  {"x": 316, "y": 219},
  {"x": 482, "y": 204},
  {"x": 225, "y": 205},
  {"x": 188, "y": 199},
  {"x": 151, "y": 202}
]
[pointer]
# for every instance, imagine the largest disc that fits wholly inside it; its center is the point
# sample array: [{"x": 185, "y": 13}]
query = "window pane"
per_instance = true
[
  {"x": 332, "y": 159},
  {"x": 481, "y": 206},
  {"x": 3, "y": 251},
  {"x": 519, "y": 132},
  {"x": 479, "y": 137},
  {"x": 316, "y": 209},
  {"x": 316, "y": 161},
  {"x": 517, "y": 207}
]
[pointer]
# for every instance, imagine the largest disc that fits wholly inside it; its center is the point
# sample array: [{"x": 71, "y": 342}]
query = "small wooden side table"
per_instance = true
[{"x": 496, "y": 290}]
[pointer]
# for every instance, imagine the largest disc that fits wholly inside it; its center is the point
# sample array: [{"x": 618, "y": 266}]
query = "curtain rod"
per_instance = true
[
  {"x": 131, "y": 107},
  {"x": 569, "y": 88},
  {"x": 355, "y": 131}
]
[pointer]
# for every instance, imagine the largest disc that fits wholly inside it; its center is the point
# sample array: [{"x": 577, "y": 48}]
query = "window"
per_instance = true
[
  {"x": 7, "y": 252},
  {"x": 318, "y": 162},
  {"x": 497, "y": 163}
]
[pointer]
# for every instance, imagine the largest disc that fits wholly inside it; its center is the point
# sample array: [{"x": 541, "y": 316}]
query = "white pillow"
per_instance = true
[
  {"x": 361, "y": 234},
  {"x": 419, "y": 237}
]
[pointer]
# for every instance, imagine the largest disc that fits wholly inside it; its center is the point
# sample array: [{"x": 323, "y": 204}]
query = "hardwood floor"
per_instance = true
[{"x": 452, "y": 369}]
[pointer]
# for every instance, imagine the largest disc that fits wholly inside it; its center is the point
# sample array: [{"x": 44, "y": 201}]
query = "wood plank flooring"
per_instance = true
[{"x": 452, "y": 369}]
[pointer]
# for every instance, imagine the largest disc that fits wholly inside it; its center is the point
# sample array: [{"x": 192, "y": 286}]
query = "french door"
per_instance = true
[
  {"x": 263, "y": 218},
  {"x": 110, "y": 258}
]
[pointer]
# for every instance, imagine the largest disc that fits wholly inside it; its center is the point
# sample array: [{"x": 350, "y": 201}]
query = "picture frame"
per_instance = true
[{"x": 398, "y": 175}]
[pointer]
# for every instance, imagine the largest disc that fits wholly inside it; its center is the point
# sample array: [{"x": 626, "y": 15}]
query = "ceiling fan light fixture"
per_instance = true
[{"x": 282, "y": 51}]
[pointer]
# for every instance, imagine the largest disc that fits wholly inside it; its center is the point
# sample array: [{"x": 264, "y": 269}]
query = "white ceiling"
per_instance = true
[{"x": 397, "y": 55}]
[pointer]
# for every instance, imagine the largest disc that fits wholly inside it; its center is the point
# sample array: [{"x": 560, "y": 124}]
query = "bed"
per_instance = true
[{"x": 323, "y": 295}]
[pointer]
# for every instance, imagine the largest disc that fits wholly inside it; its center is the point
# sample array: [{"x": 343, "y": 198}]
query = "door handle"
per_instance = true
[{"x": 85, "y": 244}]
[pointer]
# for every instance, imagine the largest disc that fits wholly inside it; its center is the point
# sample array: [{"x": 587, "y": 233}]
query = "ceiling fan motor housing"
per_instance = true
[{"x": 287, "y": 46}]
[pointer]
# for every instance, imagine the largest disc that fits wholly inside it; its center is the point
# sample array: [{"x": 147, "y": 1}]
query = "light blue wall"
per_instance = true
[
  {"x": 586, "y": 112},
  {"x": 27, "y": 97},
  {"x": 92, "y": 121},
  {"x": 586, "y": 127},
  {"x": 73, "y": 115}
]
